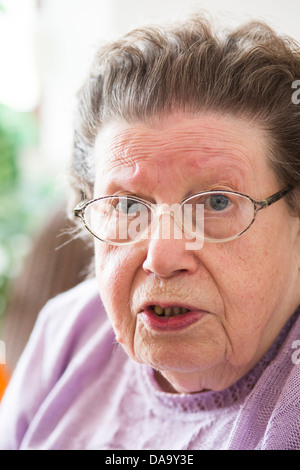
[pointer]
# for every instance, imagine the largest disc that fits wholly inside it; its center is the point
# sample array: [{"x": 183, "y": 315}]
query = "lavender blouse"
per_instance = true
[{"x": 75, "y": 388}]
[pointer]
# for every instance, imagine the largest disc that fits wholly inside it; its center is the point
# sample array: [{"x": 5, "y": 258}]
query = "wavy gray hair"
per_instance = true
[{"x": 247, "y": 72}]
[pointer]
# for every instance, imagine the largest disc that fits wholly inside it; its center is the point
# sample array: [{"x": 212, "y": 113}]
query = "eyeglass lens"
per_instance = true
[{"x": 211, "y": 215}]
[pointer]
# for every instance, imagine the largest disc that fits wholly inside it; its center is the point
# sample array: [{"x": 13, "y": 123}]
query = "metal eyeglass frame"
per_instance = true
[{"x": 79, "y": 210}]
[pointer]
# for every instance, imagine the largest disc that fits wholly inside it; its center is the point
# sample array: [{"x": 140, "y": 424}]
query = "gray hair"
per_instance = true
[{"x": 153, "y": 70}]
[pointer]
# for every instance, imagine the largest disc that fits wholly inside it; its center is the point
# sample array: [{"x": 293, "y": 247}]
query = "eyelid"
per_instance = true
[
  {"x": 127, "y": 193},
  {"x": 131, "y": 194},
  {"x": 123, "y": 193},
  {"x": 220, "y": 187},
  {"x": 206, "y": 196}
]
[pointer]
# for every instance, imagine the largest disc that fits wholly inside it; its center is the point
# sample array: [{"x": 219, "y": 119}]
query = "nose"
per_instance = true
[{"x": 168, "y": 256}]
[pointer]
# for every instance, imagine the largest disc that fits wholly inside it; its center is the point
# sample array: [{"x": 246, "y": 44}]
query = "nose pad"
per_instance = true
[
  {"x": 163, "y": 224},
  {"x": 182, "y": 225},
  {"x": 169, "y": 227}
]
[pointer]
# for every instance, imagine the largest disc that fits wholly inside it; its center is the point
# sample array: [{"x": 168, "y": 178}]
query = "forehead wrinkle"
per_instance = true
[
  {"x": 140, "y": 144},
  {"x": 144, "y": 148},
  {"x": 125, "y": 151}
]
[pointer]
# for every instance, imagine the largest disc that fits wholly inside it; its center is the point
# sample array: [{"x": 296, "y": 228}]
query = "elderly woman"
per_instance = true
[{"x": 186, "y": 166}]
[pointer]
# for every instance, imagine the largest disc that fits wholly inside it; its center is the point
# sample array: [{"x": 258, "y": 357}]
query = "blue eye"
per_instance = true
[
  {"x": 130, "y": 206},
  {"x": 218, "y": 202}
]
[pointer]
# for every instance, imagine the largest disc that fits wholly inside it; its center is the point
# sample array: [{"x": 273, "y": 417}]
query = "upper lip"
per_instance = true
[{"x": 147, "y": 305}]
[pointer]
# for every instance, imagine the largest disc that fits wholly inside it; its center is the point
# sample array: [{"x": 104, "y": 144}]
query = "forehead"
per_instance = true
[{"x": 182, "y": 145}]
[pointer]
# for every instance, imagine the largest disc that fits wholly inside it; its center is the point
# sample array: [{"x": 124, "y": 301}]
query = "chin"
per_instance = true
[{"x": 178, "y": 357}]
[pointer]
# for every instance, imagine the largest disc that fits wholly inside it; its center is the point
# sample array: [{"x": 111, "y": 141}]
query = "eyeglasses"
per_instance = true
[{"x": 212, "y": 216}]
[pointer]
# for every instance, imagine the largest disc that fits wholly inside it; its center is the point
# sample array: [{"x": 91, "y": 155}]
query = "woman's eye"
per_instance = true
[
  {"x": 129, "y": 206},
  {"x": 217, "y": 202}
]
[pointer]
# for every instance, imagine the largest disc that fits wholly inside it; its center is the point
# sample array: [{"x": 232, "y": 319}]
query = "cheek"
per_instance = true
[
  {"x": 112, "y": 277},
  {"x": 250, "y": 282},
  {"x": 254, "y": 289},
  {"x": 115, "y": 270}
]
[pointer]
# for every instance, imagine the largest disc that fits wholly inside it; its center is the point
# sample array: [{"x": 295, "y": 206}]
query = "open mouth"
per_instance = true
[
  {"x": 169, "y": 318},
  {"x": 168, "y": 311}
]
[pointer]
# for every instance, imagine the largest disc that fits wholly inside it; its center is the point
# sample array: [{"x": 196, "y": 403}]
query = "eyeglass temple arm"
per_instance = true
[{"x": 270, "y": 200}]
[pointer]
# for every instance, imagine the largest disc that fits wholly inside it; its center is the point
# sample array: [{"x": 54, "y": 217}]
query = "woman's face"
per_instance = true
[{"x": 241, "y": 292}]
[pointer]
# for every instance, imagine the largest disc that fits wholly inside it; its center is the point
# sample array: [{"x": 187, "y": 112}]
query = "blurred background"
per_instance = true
[{"x": 46, "y": 47}]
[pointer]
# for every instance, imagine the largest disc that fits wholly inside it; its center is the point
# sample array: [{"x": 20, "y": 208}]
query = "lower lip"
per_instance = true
[{"x": 174, "y": 323}]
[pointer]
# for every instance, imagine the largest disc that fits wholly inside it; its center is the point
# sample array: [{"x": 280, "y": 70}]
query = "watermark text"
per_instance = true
[
  {"x": 296, "y": 94},
  {"x": 296, "y": 353}
]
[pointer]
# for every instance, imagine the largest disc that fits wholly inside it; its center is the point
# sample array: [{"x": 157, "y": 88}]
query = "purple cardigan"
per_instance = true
[{"x": 75, "y": 388}]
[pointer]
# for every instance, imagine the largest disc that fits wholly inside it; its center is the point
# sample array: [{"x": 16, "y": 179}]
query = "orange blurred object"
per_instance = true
[{"x": 4, "y": 379}]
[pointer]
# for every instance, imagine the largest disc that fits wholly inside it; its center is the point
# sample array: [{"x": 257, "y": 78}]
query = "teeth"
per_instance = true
[
  {"x": 176, "y": 310},
  {"x": 158, "y": 310},
  {"x": 169, "y": 311}
]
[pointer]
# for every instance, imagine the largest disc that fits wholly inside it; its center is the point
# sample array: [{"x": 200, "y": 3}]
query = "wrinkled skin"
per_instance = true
[{"x": 247, "y": 287}]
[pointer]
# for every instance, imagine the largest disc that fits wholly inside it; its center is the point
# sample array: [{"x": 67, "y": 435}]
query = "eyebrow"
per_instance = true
[{"x": 230, "y": 179}]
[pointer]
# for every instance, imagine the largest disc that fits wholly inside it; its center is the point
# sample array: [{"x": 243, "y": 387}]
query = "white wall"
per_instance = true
[
  {"x": 284, "y": 14},
  {"x": 69, "y": 31}
]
